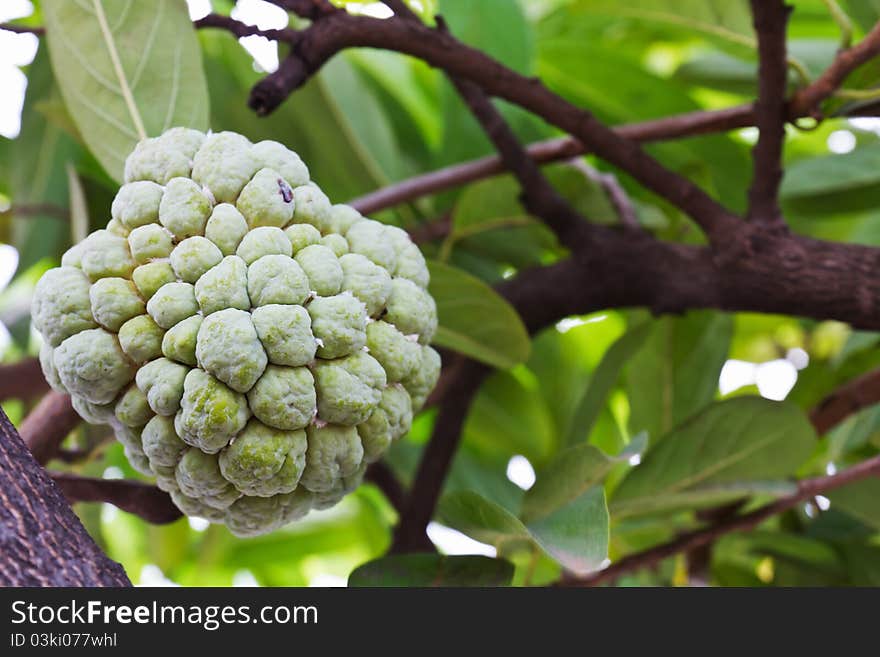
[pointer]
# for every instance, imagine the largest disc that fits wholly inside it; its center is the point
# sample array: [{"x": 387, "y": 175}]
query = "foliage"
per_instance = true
[{"x": 619, "y": 412}]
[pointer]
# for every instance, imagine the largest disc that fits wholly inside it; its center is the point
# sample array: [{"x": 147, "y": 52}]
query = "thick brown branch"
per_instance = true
[
  {"x": 770, "y": 20},
  {"x": 144, "y": 500},
  {"x": 806, "y": 489},
  {"x": 47, "y": 425},
  {"x": 785, "y": 274},
  {"x": 22, "y": 380},
  {"x": 339, "y": 30},
  {"x": 42, "y": 542}
]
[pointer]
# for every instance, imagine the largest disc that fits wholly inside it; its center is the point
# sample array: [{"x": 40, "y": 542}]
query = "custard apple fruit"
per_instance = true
[{"x": 253, "y": 346}]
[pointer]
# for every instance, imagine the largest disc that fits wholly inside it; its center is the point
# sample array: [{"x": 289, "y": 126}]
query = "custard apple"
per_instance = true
[{"x": 253, "y": 346}]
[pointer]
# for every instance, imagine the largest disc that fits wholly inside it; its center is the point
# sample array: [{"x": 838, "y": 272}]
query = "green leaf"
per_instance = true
[
  {"x": 675, "y": 373},
  {"x": 127, "y": 70},
  {"x": 733, "y": 448},
  {"x": 603, "y": 380},
  {"x": 433, "y": 570},
  {"x": 859, "y": 500},
  {"x": 39, "y": 177},
  {"x": 722, "y": 21},
  {"x": 482, "y": 520},
  {"x": 572, "y": 474},
  {"x": 575, "y": 535},
  {"x": 508, "y": 416},
  {"x": 840, "y": 174},
  {"x": 475, "y": 320}
]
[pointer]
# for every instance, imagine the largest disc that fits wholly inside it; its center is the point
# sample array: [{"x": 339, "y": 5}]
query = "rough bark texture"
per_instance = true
[{"x": 42, "y": 542}]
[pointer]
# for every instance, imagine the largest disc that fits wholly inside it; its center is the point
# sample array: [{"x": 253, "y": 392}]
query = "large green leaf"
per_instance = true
[
  {"x": 860, "y": 500},
  {"x": 475, "y": 320},
  {"x": 575, "y": 534},
  {"x": 733, "y": 448},
  {"x": 127, "y": 70},
  {"x": 834, "y": 183},
  {"x": 675, "y": 373},
  {"x": 573, "y": 472},
  {"x": 603, "y": 380},
  {"x": 722, "y": 21},
  {"x": 484, "y": 521},
  {"x": 39, "y": 178},
  {"x": 433, "y": 570},
  {"x": 508, "y": 416}
]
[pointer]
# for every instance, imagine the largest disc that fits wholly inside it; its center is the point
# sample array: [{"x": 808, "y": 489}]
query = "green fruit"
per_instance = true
[{"x": 252, "y": 346}]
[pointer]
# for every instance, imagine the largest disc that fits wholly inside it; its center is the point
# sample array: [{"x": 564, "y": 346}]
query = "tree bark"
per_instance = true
[{"x": 42, "y": 542}]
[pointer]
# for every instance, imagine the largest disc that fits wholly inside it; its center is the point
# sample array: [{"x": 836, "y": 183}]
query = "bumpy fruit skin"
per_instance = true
[{"x": 253, "y": 346}]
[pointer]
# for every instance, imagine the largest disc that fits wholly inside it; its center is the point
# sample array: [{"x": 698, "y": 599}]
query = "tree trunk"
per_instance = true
[{"x": 42, "y": 542}]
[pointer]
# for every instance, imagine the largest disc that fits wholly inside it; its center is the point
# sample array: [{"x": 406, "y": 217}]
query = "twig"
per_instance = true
[
  {"x": 47, "y": 425},
  {"x": 845, "y": 401},
  {"x": 806, "y": 489},
  {"x": 843, "y": 22},
  {"x": 770, "y": 20},
  {"x": 22, "y": 29},
  {"x": 239, "y": 29},
  {"x": 536, "y": 194},
  {"x": 836, "y": 407},
  {"x": 806, "y": 101},
  {"x": 144, "y": 500},
  {"x": 617, "y": 196}
]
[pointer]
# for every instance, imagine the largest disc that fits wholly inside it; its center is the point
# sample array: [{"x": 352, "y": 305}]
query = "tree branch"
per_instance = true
[
  {"x": 47, "y": 425},
  {"x": 43, "y": 542},
  {"x": 806, "y": 101},
  {"x": 836, "y": 407},
  {"x": 143, "y": 500},
  {"x": 617, "y": 196},
  {"x": 381, "y": 475},
  {"x": 845, "y": 401},
  {"x": 22, "y": 29},
  {"x": 339, "y": 30},
  {"x": 806, "y": 489},
  {"x": 409, "y": 535},
  {"x": 536, "y": 194},
  {"x": 770, "y": 20},
  {"x": 240, "y": 30},
  {"x": 22, "y": 380}
]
